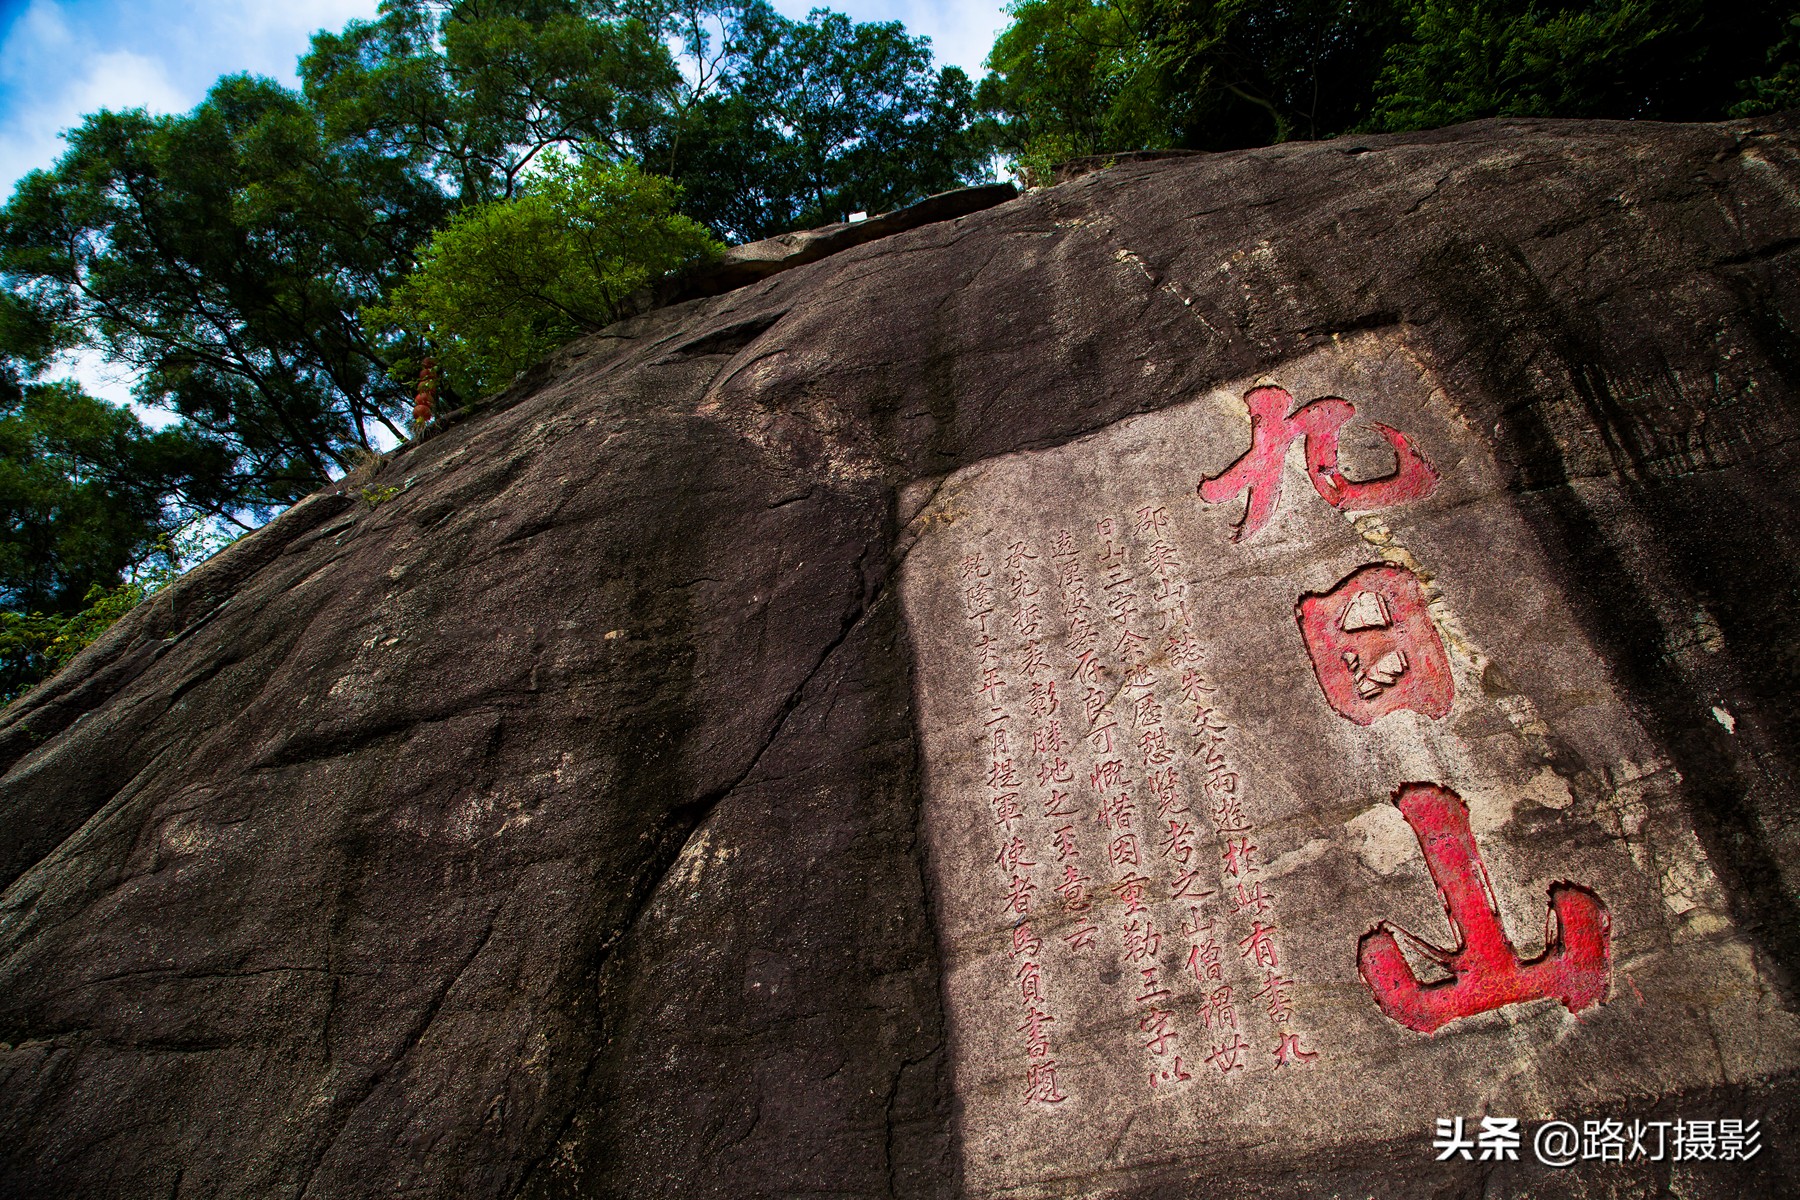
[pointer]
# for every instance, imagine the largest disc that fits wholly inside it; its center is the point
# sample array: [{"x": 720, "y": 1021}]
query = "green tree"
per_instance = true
[
  {"x": 87, "y": 493},
  {"x": 35, "y": 645},
  {"x": 1096, "y": 76},
  {"x": 468, "y": 93},
  {"x": 507, "y": 281},
  {"x": 222, "y": 256},
  {"x": 1779, "y": 88},
  {"x": 1682, "y": 60},
  {"x": 804, "y": 122}
]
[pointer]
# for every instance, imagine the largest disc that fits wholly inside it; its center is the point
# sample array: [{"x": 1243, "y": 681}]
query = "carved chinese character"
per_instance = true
[
  {"x": 1129, "y": 888},
  {"x": 1035, "y": 663},
  {"x": 1203, "y": 959},
  {"x": 1088, "y": 667},
  {"x": 1151, "y": 520},
  {"x": 1173, "y": 1074},
  {"x": 1252, "y": 898},
  {"x": 1019, "y": 893},
  {"x": 1374, "y": 646},
  {"x": 1273, "y": 430},
  {"x": 1030, "y": 978},
  {"x": 1153, "y": 990},
  {"x": 1142, "y": 941},
  {"x": 1275, "y": 994},
  {"x": 1194, "y": 687},
  {"x": 1040, "y": 1084},
  {"x": 1228, "y": 1055},
  {"x": 1219, "y": 1009},
  {"x": 1146, "y": 711},
  {"x": 1115, "y": 812},
  {"x": 1014, "y": 854},
  {"x": 1163, "y": 786},
  {"x": 1073, "y": 890},
  {"x": 1288, "y": 1051},
  {"x": 1037, "y": 1037},
  {"x": 978, "y": 599},
  {"x": 1239, "y": 856},
  {"x": 1187, "y": 886},
  {"x": 1156, "y": 1024},
  {"x": 1485, "y": 972},
  {"x": 1259, "y": 946},
  {"x": 1178, "y": 841},
  {"x": 1007, "y": 810}
]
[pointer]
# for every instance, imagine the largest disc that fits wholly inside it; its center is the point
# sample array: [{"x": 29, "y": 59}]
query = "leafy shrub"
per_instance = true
[{"x": 507, "y": 281}]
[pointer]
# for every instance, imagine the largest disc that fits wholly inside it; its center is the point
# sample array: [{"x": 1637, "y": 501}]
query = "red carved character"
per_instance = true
[
  {"x": 1288, "y": 1051},
  {"x": 1273, "y": 431},
  {"x": 1374, "y": 647},
  {"x": 1485, "y": 971}
]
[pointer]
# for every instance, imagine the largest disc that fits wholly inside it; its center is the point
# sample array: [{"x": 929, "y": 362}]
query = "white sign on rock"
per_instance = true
[{"x": 1292, "y": 810}]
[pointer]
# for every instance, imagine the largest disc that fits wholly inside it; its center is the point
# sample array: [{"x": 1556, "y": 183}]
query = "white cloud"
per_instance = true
[
  {"x": 62, "y": 60},
  {"x": 961, "y": 33}
]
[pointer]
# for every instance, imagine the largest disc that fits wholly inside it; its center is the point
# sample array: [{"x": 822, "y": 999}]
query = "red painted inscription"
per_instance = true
[
  {"x": 1374, "y": 647},
  {"x": 1273, "y": 431},
  {"x": 1485, "y": 970}
]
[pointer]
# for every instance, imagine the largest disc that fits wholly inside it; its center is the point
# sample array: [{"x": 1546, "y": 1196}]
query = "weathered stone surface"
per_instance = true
[
  {"x": 753, "y": 261},
  {"x": 606, "y": 813}
]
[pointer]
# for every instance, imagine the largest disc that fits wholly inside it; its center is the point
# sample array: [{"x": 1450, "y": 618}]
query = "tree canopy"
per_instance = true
[
  {"x": 809, "y": 121},
  {"x": 1097, "y": 76},
  {"x": 507, "y": 281}
]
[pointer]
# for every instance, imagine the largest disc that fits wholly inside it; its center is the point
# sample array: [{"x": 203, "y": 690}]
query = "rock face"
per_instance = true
[{"x": 1166, "y": 686}]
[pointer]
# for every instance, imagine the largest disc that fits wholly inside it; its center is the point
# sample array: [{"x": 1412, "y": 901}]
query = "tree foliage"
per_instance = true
[
  {"x": 222, "y": 256},
  {"x": 1093, "y": 76},
  {"x": 1779, "y": 87},
  {"x": 35, "y": 645},
  {"x": 468, "y": 94},
  {"x": 808, "y": 121},
  {"x": 1097, "y": 76},
  {"x": 1682, "y": 60},
  {"x": 507, "y": 281},
  {"x": 85, "y": 493}
]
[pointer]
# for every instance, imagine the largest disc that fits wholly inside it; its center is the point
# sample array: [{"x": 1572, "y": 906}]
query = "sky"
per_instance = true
[{"x": 61, "y": 59}]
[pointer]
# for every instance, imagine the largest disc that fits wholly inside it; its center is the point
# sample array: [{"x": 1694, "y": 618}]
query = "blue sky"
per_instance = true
[{"x": 60, "y": 59}]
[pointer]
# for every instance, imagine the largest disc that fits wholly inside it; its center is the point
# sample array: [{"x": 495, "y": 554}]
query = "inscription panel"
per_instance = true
[{"x": 1274, "y": 799}]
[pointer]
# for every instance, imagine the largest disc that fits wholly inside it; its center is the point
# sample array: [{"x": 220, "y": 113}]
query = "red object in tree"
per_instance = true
[
  {"x": 1272, "y": 432},
  {"x": 1374, "y": 647},
  {"x": 1485, "y": 971},
  {"x": 425, "y": 400}
]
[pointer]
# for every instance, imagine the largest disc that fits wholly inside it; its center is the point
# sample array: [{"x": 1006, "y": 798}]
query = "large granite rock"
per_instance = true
[{"x": 991, "y": 712}]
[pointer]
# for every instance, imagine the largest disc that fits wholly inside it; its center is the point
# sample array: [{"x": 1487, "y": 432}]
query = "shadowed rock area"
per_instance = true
[{"x": 580, "y": 821}]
